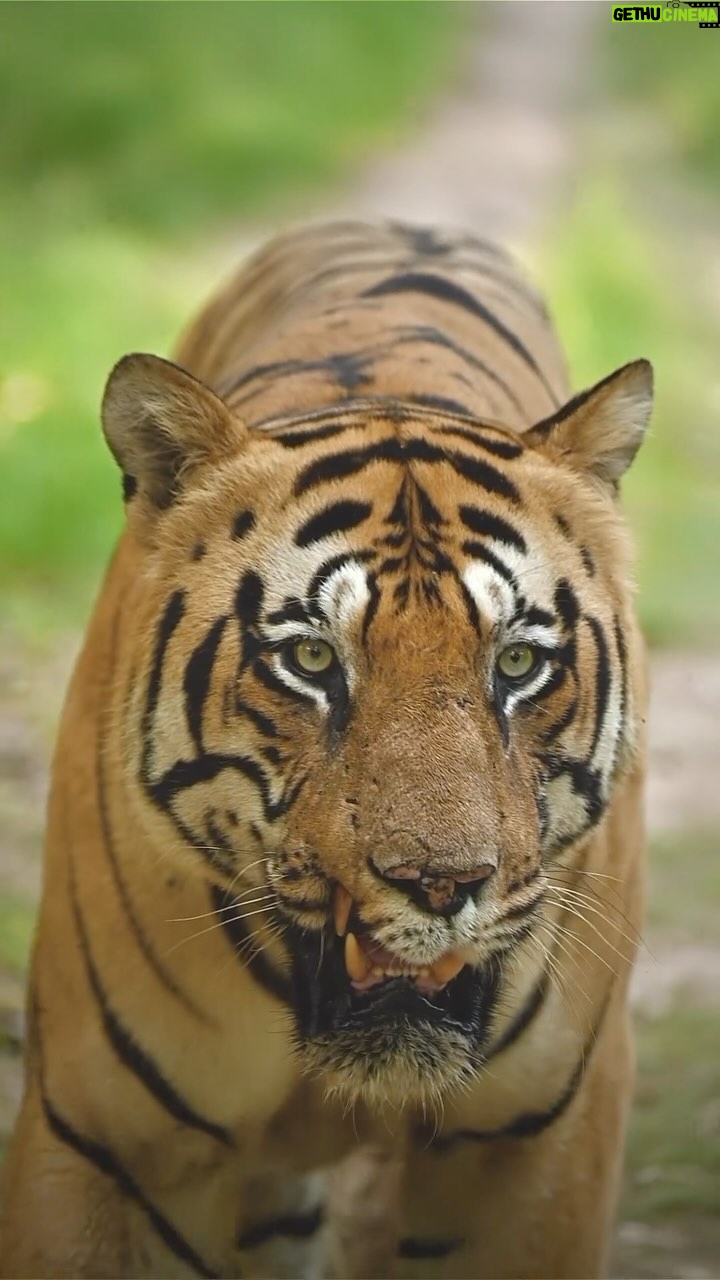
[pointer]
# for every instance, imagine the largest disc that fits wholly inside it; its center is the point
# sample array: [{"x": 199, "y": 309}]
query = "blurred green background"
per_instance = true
[{"x": 141, "y": 147}]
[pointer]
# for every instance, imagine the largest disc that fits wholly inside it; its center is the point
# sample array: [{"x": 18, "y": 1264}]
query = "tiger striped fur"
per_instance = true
[{"x": 345, "y": 836}]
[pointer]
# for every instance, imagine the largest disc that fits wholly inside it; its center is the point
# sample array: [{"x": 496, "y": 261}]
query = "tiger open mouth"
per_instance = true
[
  {"x": 363, "y": 1013},
  {"x": 369, "y": 963}
]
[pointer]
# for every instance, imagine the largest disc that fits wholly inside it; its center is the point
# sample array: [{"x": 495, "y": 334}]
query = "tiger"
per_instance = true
[{"x": 343, "y": 877}]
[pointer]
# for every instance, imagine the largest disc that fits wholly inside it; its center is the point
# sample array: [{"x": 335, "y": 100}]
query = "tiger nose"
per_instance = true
[{"x": 436, "y": 889}]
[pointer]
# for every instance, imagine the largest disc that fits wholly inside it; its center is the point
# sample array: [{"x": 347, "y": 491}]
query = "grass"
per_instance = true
[
  {"x": 17, "y": 921},
  {"x": 133, "y": 137},
  {"x": 166, "y": 119},
  {"x": 672, "y": 1176},
  {"x": 673, "y": 1155},
  {"x": 685, "y": 887},
  {"x": 618, "y": 291}
]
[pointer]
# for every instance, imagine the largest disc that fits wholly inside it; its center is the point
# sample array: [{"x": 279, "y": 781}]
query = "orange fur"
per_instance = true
[{"x": 363, "y": 442}]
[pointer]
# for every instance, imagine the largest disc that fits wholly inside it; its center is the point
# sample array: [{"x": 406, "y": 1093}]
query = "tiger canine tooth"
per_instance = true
[
  {"x": 356, "y": 962},
  {"x": 447, "y": 967},
  {"x": 342, "y": 905}
]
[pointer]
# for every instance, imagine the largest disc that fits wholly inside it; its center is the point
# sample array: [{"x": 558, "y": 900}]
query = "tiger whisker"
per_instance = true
[
  {"x": 600, "y": 899},
  {"x": 559, "y": 943},
  {"x": 244, "y": 870},
  {"x": 562, "y": 980},
  {"x": 231, "y": 906},
  {"x": 580, "y": 871},
  {"x": 218, "y": 925},
  {"x": 567, "y": 897},
  {"x": 568, "y": 934}
]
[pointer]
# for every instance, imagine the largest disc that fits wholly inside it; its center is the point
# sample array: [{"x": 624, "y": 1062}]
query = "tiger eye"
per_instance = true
[
  {"x": 516, "y": 661},
  {"x": 313, "y": 656}
]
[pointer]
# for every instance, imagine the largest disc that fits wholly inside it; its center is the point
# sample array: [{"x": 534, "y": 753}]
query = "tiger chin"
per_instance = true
[
  {"x": 344, "y": 860},
  {"x": 399, "y": 1038}
]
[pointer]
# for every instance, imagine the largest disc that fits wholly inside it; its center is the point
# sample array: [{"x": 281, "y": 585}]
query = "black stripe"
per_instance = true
[
  {"x": 295, "y": 439},
  {"x": 428, "y": 511},
  {"x": 273, "y": 369},
  {"x": 301, "y": 904},
  {"x": 585, "y": 780},
  {"x": 523, "y": 1018},
  {"x": 198, "y": 674},
  {"x": 522, "y": 909},
  {"x": 338, "y": 466},
  {"x": 140, "y": 937},
  {"x": 189, "y": 773},
  {"x": 292, "y": 610},
  {"x": 481, "y": 473},
  {"x": 300, "y": 1226},
  {"x": 270, "y": 680},
  {"x": 479, "y": 551},
  {"x": 554, "y": 730},
  {"x": 169, "y": 622},
  {"x": 336, "y": 518},
  {"x": 129, "y": 487},
  {"x": 372, "y": 606},
  {"x": 261, "y": 721},
  {"x": 555, "y": 682},
  {"x": 435, "y": 337},
  {"x": 500, "y": 448},
  {"x": 447, "y": 291},
  {"x": 492, "y": 526},
  {"x": 243, "y": 523},
  {"x": 529, "y": 1123},
  {"x": 566, "y": 604},
  {"x": 411, "y": 1247},
  {"x": 470, "y": 605},
  {"x": 346, "y": 368},
  {"x": 588, "y": 561},
  {"x": 441, "y": 403},
  {"x": 422, "y": 240},
  {"x": 249, "y": 599},
  {"x": 251, "y": 955},
  {"x": 130, "y": 1053},
  {"x": 602, "y": 680},
  {"x": 622, "y": 659},
  {"x": 218, "y": 840},
  {"x": 534, "y": 616},
  {"x": 104, "y": 1160},
  {"x": 329, "y": 567}
]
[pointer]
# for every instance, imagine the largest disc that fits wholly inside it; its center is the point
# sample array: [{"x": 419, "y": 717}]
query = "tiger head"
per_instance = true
[{"x": 380, "y": 663}]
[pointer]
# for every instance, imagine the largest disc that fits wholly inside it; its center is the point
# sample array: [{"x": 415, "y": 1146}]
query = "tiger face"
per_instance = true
[{"x": 379, "y": 668}]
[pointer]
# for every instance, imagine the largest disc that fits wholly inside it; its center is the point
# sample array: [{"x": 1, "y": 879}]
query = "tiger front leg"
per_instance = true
[
  {"x": 538, "y": 1206},
  {"x": 63, "y": 1215}
]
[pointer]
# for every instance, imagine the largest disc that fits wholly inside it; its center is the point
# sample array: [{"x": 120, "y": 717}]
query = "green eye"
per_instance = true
[
  {"x": 313, "y": 657},
  {"x": 517, "y": 661}
]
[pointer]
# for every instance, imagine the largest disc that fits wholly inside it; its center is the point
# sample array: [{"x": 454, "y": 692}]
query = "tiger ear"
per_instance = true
[
  {"x": 160, "y": 423},
  {"x": 599, "y": 431}
]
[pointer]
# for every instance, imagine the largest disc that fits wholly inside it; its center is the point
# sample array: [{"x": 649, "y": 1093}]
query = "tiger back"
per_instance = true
[{"x": 344, "y": 849}]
